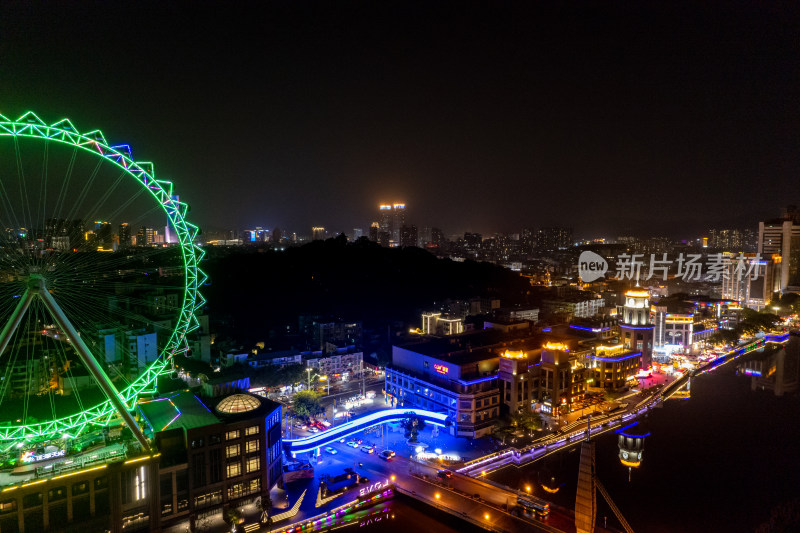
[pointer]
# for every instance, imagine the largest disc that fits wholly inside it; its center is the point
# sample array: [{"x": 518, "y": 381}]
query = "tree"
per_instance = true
[
  {"x": 306, "y": 404},
  {"x": 412, "y": 424},
  {"x": 502, "y": 429},
  {"x": 264, "y": 506},
  {"x": 526, "y": 420},
  {"x": 233, "y": 517}
]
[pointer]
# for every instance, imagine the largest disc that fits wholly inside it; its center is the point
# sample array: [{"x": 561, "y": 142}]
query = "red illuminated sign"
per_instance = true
[{"x": 441, "y": 369}]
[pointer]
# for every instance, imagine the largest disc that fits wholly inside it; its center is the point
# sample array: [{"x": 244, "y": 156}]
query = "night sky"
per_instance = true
[{"x": 612, "y": 117}]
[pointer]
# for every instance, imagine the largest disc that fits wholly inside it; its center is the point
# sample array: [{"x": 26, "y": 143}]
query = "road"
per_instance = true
[{"x": 455, "y": 495}]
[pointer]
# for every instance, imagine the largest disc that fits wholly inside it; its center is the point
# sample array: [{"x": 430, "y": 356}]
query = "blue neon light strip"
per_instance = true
[
  {"x": 359, "y": 424},
  {"x": 613, "y": 359},
  {"x": 621, "y": 431},
  {"x": 479, "y": 380},
  {"x": 593, "y": 330},
  {"x": 624, "y": 326}
]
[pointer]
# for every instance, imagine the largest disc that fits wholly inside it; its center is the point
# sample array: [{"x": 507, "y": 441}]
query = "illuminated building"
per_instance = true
[
  {"x": 562, "y": 377},
  {"x": 519, "y": 383},
  {"x": 636, "y": 331},
  {"x": 781, "y": 237},
  {"x": 318, "y": 233},
  {"x": 436, "y": 324},
  {"x": 578, "y": 304},
  {"x": 374, "y": 229},
  {"x": 449, "y": 378},
  {"x": 124, "y": 234},
  {"x": 209, "y": 455},
  {"x": 611, "y": 367},
  {"x": 145, "y": 236},
  {"x": 391, "y": 218}
]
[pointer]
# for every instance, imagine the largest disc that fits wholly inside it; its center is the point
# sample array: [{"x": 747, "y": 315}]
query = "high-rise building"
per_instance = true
[
  {"x": 276, "y": 235},
  {"x": 105, "y": 233},
  {"x": 145, "y": 237},
  {"x": 124, "y": 234},
  {"x": 398, "y": 220},
  {"x": 318, "y": 233},
  {"x": 391, "y": 218},
  {"x": 408, "y": 236},
  {"x": 374, "y": 229},
  {"x": 437, "y": 237},
  {"x": 779, "y": 239},
  {"x": 357, "y": 233},
  {"x": 553, "y": 238}
]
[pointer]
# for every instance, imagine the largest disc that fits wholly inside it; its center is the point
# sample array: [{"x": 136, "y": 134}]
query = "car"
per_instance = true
[
  {"x": 444, "y": 474},
  {"x": 313, "y": 429},
  {"x": 368, "y": 449},
  {"x": 330, "y": 450},
  {"x": 352, "y": 444},
  {"x": 386, "y": 454}
]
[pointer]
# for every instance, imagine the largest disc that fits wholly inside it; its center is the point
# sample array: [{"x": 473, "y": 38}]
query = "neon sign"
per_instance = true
[
  {"x": 29, "y": 457},
  {"x": 375, "y": 486},
  {"x": 441, "y": 369}
]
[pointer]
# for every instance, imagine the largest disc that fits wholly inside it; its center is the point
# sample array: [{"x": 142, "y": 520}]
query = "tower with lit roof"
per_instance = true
[{"x": 636, "y": 331}]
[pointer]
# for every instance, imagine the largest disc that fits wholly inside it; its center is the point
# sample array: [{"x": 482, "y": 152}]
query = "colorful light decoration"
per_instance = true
[{"x": 32, "y": 127}]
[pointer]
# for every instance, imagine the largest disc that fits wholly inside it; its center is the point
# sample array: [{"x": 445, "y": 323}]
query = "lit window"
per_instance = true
[
  {"x": 232, "y": 451},
  {"x": 252, "y": 446},
  {"x": 252, "y": 430},
  {"x": 234, "y": 469},
  {"x": 253, "y": 464},
  {"x": 230, "y": 435},
  {"x": 140, "y": 484}
]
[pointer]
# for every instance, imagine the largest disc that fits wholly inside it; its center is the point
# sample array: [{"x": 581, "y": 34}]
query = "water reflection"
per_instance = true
[
  {"x": 776, "y": 369},
  {"x": 630, "y": 441}
]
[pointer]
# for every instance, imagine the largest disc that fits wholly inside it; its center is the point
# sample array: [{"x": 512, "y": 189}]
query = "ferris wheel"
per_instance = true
[{"x": 99, "y": 283}]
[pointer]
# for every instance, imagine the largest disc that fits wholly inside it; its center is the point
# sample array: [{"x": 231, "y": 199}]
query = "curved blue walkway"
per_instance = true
[{"x": 334, "y": 434}]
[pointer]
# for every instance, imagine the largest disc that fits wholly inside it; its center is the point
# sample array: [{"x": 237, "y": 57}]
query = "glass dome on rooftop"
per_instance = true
[{"x": 238, "y": 403}]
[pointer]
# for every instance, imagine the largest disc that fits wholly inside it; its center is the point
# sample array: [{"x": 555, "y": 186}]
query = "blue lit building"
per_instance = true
[{"x": 447, "y": 376}]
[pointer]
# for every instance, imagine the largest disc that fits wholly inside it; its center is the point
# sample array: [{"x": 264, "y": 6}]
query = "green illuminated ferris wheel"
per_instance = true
[{"x": 99, "y": 282}]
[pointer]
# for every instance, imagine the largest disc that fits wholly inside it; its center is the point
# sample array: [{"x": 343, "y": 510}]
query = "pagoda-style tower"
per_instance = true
[{"x": 636, "y": 330}]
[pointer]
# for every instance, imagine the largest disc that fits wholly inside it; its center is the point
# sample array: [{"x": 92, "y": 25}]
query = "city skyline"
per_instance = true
[{"x": 605, "y": 119}]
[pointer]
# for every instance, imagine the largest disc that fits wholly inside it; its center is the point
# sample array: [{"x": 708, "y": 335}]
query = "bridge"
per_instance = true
[{"x": 336, "y": 433}]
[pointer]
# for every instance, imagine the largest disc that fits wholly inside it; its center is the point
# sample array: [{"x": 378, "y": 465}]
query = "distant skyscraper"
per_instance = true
[
  {"x": 276, "y": 235},
  {"x": 398, "y": 220},
  {"x": 374, "y": 229},
  {"x": 781, "y": 237},
  {"x": 391, "y": 219},
  {"x": 437, "y": 237},
  {"x": 105, "y": 234},
  {"x": 145, "y": 237},
  {"x": 124, "y": 235},
  {"x": 357, "y": 233},
  {"x": 318, "y": 233},
  {"x": 408, "y": 236},
  {"x": 553, "y": 238}
]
